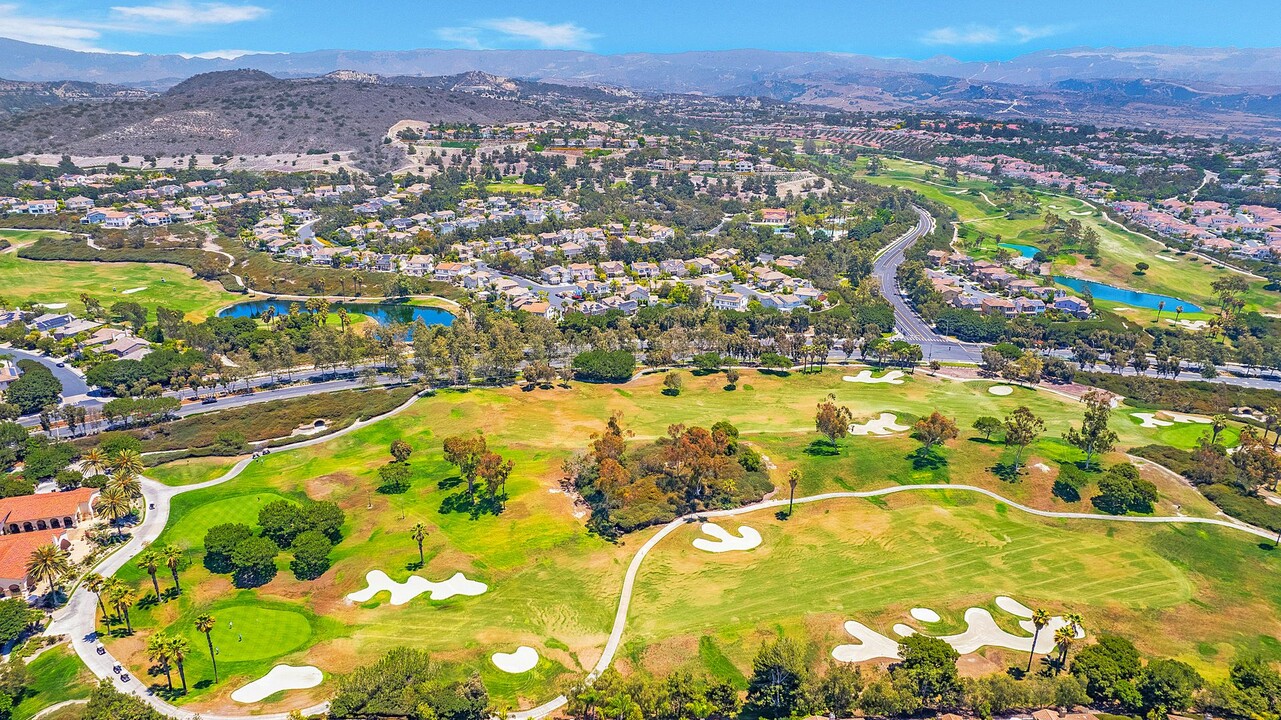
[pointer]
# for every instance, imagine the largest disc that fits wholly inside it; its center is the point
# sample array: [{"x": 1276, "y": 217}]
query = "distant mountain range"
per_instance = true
[
  {"x": 195, "y": 103},
  {"x": 716, "y": 72}
]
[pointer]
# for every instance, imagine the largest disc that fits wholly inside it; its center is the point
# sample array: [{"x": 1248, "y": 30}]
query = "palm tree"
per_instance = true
[
  {"x": 127, "y": 482},
  {"x": 115, "y": 505},
  {"x": 621, "y": 707},
  {"x": 149, "y": 560},
  {"x": 121, "y": 597},
  {"x": 419, "y": 533},
  {"x": 1063, "y": 637},
  {"x": 205, "y": 624},
  {"x": 178, "y": 649},
  {"x": 1178, "y": 310},
  {"x": 793, "y": 479},
  {"x": 1040, "y": 618},
  {"x": 48, "y": 563},
  {"x": 172, "y": 555},
  {"x": 94, "y": 460},
  {"x": 1077, "y": 623},
  {"x": 158, "y": 651},
  {"x": 95, "y": 583},
  {"x": 128, "y": 460}
]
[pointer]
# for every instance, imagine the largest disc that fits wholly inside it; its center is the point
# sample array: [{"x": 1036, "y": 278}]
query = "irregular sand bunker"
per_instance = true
[
  {"x": 981, "y": 630},
  {"x": 1000, "y": 390},
  {"x": 401, "y": 593},
  {"x": 746, "y": 539},
  {"x": 523, "y": 660},
  {"x": 1079, "y": 213},
  {"x": 925, "y": 615},
  {"x": 131, "y": 291},
  {"x": 1166, "y": 419},
  {"x": 893, "y": 377},
  {"x": 281, "y": 677},
  {"x": 886, "y": 424},
  {"x": 1013, "y": 607}
]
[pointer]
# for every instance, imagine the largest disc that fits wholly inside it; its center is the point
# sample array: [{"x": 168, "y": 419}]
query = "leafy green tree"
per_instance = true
[
  {"x": 1094, "y": 437},
  {"x": 15, "y": 617},
  {"x": 35, "y": 388},
  {"x": 220, "y": 541},
  {"x": 1168, "y": 685},
  {"x": 311, "y": 555},
  {"x": 929, "y": 666},
  {"x": 1108, "y": 669},
  {"x": 394, "y": 477},
  {"x": 1121, "y": 490},
  {"x": 1022, "y": 427},
  {"x": 779, "y": 672},
  {"x": 326, "y": 517},
  {"x": 253, "y": 562},
  {"x": 408, "y": 683},
  {"x": 281, "y": 521}
]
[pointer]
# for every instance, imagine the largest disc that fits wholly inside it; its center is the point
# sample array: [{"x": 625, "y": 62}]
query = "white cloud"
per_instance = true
[
  {"x": 509, "y": 31},
  {"x": 181, "y": 12},
  {"x": 463, "y": 37},
  {"x": 227, "y": 54},
  {"x": 546, "y": 35},
  {"x": 57, "y": 32},
  {"x": 988, "y": 35}
]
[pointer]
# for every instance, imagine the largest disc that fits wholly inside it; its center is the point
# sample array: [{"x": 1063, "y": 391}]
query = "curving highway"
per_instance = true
[{"x": 910, "y": 325}]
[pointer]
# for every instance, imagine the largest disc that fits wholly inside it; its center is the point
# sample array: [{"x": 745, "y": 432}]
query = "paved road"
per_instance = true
[
  {"x": 73, "y": 384},
  {"x": 910, "y": 325},
  {"x": 78, "y": 618}
]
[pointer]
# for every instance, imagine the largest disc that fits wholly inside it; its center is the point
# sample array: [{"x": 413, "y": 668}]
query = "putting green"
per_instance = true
[{"x": 249, "y": 632}]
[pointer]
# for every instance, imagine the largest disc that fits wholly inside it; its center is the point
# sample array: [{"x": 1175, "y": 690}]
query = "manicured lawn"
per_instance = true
[
  {"x": 1186, "y": 277},
  {"x": 553, "y": 586},
  {"x": 63, "y": 282},
  {"x": 57, "y": 675},
  {"x": 190, "y": 471}
]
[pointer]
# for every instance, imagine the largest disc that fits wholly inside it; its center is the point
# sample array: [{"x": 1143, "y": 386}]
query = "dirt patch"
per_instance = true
[{"x": 326, "y": 487}]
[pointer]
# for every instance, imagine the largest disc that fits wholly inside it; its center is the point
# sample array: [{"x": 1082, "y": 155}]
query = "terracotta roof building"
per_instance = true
[
  {"x": 47, "y": 511},
  {"x": 15, "y": 551}
]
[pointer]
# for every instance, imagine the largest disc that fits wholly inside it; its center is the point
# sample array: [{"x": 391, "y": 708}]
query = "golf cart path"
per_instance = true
[{"x": 77, "y": 619}]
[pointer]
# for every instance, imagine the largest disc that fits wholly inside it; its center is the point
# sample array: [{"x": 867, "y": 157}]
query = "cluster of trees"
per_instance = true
[
  {"x": 688, "y": 470},
  {"x": 476, "y": 463},
  {"x": 310, "y": 531},
  {"x": 35, "y": 389},
  {"x": 408, "y": 683}
]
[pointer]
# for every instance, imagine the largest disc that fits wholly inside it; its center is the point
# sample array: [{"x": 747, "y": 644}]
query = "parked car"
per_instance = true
[{"x": 209, "y": 401}]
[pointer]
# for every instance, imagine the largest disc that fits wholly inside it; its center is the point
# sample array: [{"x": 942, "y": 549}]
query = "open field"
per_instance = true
[
  {"x": 865, "y": 560},
  {"x": 55, "y": 282},
  {"x": 57, "y": 675},
  {"x": 190, "y": 471},
  {"x": 1187, "y": 278}
]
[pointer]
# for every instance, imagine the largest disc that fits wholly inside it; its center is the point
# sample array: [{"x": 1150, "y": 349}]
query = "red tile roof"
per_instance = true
[
  {"x": 15, "y": 551},
  {"x": 46, "y": 505}
]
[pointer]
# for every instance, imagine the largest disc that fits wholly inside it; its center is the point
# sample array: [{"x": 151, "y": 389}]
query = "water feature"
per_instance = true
[
  {"x": 1125, "y": 296},
  {"x": 1026, "y": 251},
  {"x": 381, "y": 313}
]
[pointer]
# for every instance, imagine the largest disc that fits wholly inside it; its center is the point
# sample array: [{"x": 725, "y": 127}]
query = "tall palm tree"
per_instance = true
[
  {"x": 178, "y": 649},
  {"x": 419, "y": 533},
  {"x": 1040, "y": 618},
  {"x": 158, "y": 651},
  {"x": 94, "y": 461},
  {"x": 205, "y": 624},
  {"x": 1178, "y": 310},
  {"x": 114, "y": 505},
  {"x": 1160, "y": 305},
  {"x": 793, "y": 479},
  {"x": 128, "y": 460},
  {"x": 95, "y": 583},
  {"x": 1063, "y": 637},
  {"x": 149, "y": 561},
  {"x": 127, "y": 482},
  {"x": 121, "y": 597},
  {"x": 1077, "y": 622},
  {"x": 172, "y": 555},
  {"x": 48, "y": 563}
]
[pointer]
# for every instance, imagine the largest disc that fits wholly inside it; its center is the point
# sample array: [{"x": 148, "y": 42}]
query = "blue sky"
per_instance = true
[{"x": 967, "y": 29}]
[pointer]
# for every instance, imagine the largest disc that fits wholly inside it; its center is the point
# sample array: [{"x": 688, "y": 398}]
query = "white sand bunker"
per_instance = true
[
  {"x": 401, "y": 593},
  {"x": 1166, "y": 419},
  {"x": 1079, "y": 213},
  {"x": 1001, "y": 390},
  {"x": 872, "y": 645},
  {"x": 52, "y": 306},
  {"x": 886, "y": 424},
  {"x": 523, "y": 660},
  {"x": 131, "y": 291},
  {"x": 1167, "y": 259},
  {"x": 981, "y": 630},
  {"x": 893, "y": 377},
  {"x": 746, "y": 539},
  {"x": 281, "y": 677},
  {"x": 1189, "y": 324},
  {"x": 1013, "y": 607},
  {"x": 925, "y": 615}
]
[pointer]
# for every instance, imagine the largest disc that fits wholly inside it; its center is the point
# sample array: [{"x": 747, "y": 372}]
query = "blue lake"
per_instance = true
[
  {"x": 381, "y": 313},
  {"x": 1026, "y": 251},
  {"x": 1134, "y": 298}
]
